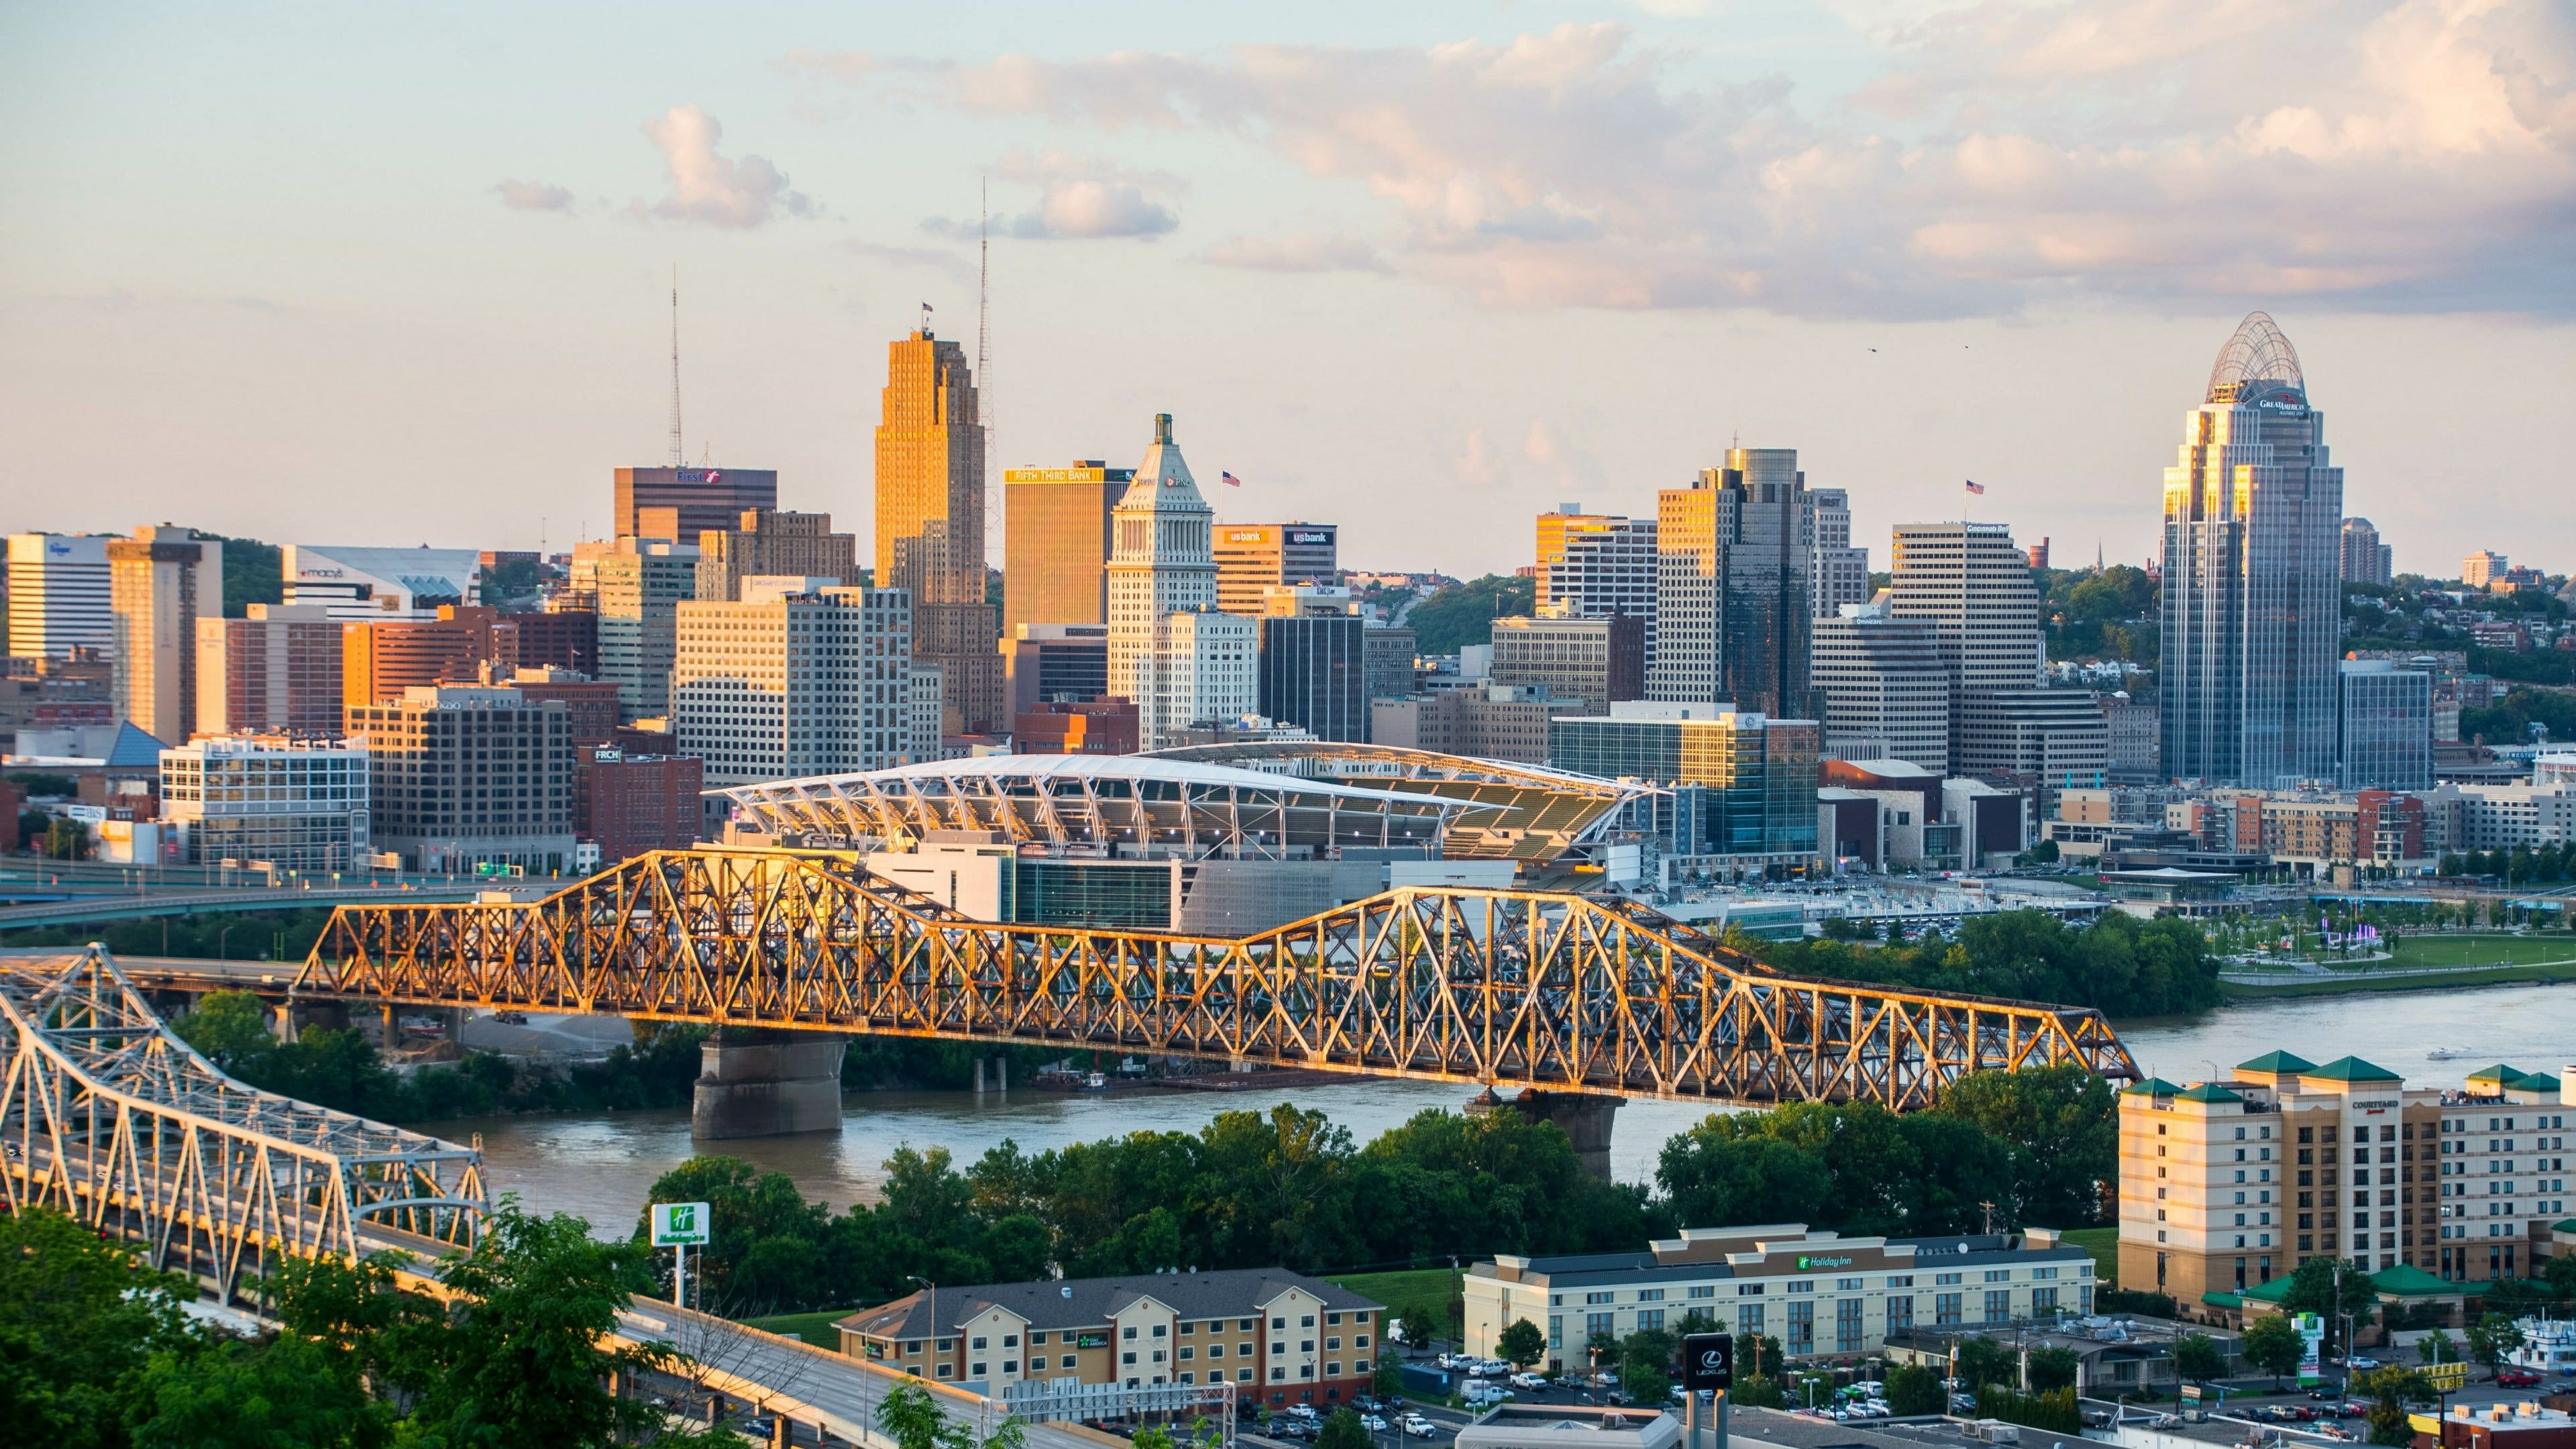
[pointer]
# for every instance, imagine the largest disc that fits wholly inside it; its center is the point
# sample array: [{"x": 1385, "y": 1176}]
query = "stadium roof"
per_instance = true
[{"x": 1132, "y": 805}]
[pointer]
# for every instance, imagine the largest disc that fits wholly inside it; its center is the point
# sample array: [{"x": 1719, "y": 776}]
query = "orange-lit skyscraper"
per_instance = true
[
  {"x": 930, "y": 523},
  {"x": 1055, "y": 543}
]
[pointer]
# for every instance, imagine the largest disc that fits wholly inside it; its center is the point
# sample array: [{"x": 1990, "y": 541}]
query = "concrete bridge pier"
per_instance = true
[
  {"x": 292, "y": 1016},
  {"x": 1001, "y": 1080},
  {"x": 1585, "y": 1118},
  {"x": 766, "y": 1088}
]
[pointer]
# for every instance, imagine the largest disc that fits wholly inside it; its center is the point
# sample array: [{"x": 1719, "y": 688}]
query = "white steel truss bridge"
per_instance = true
[{"x": 106, "y": 1115}]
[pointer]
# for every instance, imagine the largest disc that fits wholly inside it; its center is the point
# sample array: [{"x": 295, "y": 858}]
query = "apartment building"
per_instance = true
[
  {"x": 1280, "y": 1337},
  {"x": 1816, "y": 1291},
  {"x": 2226, "y": 1186},
  {"x": 278, "y": 669}
]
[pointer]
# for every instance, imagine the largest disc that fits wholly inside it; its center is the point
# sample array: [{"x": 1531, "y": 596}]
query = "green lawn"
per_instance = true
[
  {"x": 814, "y": 1328},
  {"x": 2104, "y": 1245},
  {"x": 2481, "y": 950},
  {"x": 1433, "y": 1289}
]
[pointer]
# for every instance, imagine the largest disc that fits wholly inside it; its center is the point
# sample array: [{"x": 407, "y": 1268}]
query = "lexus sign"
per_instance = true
[{"x": 1708, "y": 1362}]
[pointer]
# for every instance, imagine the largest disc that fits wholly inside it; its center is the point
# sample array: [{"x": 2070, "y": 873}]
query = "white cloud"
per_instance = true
[
  {"x": 2403, "y": 154},
  {"x": 710, "y": 188},
  {"x": 535, "y": 196},
  {"x": 1080, "y": 199},
  {"x": 1297, "y": 252}
]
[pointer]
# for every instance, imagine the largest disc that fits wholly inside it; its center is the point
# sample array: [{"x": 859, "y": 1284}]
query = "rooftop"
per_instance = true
[{"x": 1084, "y": 1302}]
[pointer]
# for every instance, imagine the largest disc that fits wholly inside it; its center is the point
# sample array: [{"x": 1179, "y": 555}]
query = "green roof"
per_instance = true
[
  {"x": 2223, "y": 1300},
  {"x": 2408, "y": 1281},
  {"x": 2534, "y": 1082},
  {"x": 2153, "y": 1087},
  {"x": 2497, "y": 1073},
  {"x": 2277, "y": 1063},
  {"x": 2272, "y": 1292},
  {"x": 2351, "y": 1069},
  {"x": 2208, "y": 1092},
  {"x": 2565, "y": 1225}
]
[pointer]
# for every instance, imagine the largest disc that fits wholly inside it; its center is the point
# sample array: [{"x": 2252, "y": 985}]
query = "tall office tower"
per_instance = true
[
  {"x": 930, "y": 523},
  {"x": 2365, "y": 559},
  {"x": 464, "y": 775},
  {"x": 1973, "y": 585},
  {"x": 1389, "y": 652},
  {"x": 1314, "y": 661},
  {"x": 801, "y": 676},
  {"x": 1885, "y": 689},
  {"x": 358, "y": 584},
  {"x": 379, "y": 662},
  {"x": 1733, "y": 605},
  {"x": 1168, "y": 651},
  {"x": 1597, "y": 661},
  {"x": 1597, "y": 566},
  {"x": 1841, "y": 572},
  {"x": 1055, "y": 543},
  {"x": 564, "y": 638},
  {"x": 638, "y": 584},
  {"x": 58, "y": 595},
  {"x": 2253, "y": 608},
  {"x": 1252, "y": 558},
  {"x": 2384, "y": 737},
  {"x": 770, "y": 541},
  {"x": 677, "y": 504},
  {"x": 275, "y": 672},
  {"x": 160, "y": 583}
]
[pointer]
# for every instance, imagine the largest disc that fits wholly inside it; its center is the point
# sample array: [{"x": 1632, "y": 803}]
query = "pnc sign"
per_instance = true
[{"x": 679, "y": 1223}]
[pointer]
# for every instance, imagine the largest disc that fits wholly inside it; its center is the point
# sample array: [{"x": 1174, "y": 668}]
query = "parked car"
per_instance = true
[
  {"x": 1419, "y": 1427},
  {"x": 1373, "y": 1423},
  {"x": 2517, "y": 1378},
  {"x": 1302, "y": 1411},
  {"x": 1527, "y": 1381}
]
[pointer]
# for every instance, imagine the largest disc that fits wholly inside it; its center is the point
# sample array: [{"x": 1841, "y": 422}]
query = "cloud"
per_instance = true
[
  {"x": 535, "y": 196},
  {"x": 709, "y": 188},
  {"x": 2400, "y": 154},
  {"x": 1297, "y": 252},
  {"x": 1080, "y": 199},
  {"x": 927, "y": 258},
  {"x": 848, "y": 66},
  {"x": 1478, "y": 466}
]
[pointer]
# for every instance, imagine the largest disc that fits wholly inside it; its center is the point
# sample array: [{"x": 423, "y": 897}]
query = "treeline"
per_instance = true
[
  {"x": 1250, "y": 1189},
  {"x": 1465, "y": 613},
  {"x": 1288, "y": 1187},
  {"x": 341, "y": 1069},
  {"x": 284, "y": 936},
  {"x": 2521, "y": 865},
  {"x": 2118, "y": 965}
]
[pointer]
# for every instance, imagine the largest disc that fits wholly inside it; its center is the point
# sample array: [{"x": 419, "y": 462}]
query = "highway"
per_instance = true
[{"x": 128, "y": 907}]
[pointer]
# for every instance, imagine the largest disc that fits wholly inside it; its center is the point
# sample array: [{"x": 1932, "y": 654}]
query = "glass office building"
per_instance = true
[{"x": 1742, "y": 786}]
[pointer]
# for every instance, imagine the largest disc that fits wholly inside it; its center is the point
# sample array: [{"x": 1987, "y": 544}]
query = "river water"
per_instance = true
[{"x": 601, "y": 1166}]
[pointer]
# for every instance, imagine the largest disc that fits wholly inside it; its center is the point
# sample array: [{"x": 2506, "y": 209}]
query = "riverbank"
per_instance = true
[{"x": 2421, "y": 979}]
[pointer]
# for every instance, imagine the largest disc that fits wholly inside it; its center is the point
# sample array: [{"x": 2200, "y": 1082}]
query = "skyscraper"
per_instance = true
[
  {"x": 1597, "y": 566},
  {"x": 1055, "y": 543},
  {"x": 636, "y": 583},
  {"x": 1973, "y": 584},
  {"x": 1885, "y": 691},
  {"x": 2365, "y": 559},
  {"x": 930, "y": 522},
  {"x": 1314, "y": 661},
  {"x": 800, "y": 676},
  {"x": 1733, "y": 604},
  {"x": 774, "y": 542},
  {"x": 58, "y": 595},
  {"x": 1254, "y": 557},
  {"x": 677, "y": 504},
  {"x": 1840, "y": 574},
  {"x": 2252, "y": 597},
  {"x": 160, "y": 583},
  {"x": 275, "y": 671},
  {"x": 1170, "y": 650}
]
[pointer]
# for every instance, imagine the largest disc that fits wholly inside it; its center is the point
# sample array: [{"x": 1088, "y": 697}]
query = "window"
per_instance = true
[
  {"x": 1216, "y": 1350},
  {"x": 1944, "y": 1279},
  {"x": 1650, "y": 1320},
  {"x": 1998, "y": 1305},
  {"x": 1650, "y": 1295},
  {"x": 1900, "y": 1314},
  {"x": 1595, "y": 1325},
  {"x": 1010, "y": 1365},
  {"x": 1333, "y": 1344},
  {"x": 1945, "y": 1310},
  {"x": 1128, "y": 1357},
  {"x": 1847, "y": 1330},
  {"x": 1750, "y": 1290},
  {"x": 1158, "y": 1330},
  {"x": 978, "y": 1344},
  {"x": 1999, "y": 1275},
  {"x": 1037, "y": 1338},
  {"x": 1748, "y": 1318},
  {"x": 1802, "y": 1329},
  {"x": 1588, "y": 1298},
  {"x": 1332, "y": 1319},
  {"x": 1332, "y": 1370},
  {"x": 1704, "y": 1290},
  {"x": 1847, "y": 1285},
  {"x": 1128, "y": 1332},
  {"x": 1277, "y": 1325}
]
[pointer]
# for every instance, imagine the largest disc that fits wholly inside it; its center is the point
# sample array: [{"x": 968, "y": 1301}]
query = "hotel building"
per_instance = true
[{"x": 2225, "y": 1186}]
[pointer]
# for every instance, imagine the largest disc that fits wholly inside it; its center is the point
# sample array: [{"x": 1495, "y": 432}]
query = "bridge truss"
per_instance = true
[
  {"x": 1536, "y": 989},
  {"x": 110, "y": 1117}
]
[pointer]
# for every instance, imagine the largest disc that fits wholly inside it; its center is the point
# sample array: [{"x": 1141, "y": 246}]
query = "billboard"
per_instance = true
[
  {"x": 2312, "y": 1334},
  {"x": 678, "y": 1223}
]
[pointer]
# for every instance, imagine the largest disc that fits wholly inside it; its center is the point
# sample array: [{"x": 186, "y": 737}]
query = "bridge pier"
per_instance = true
[
  {"x": 1585, "y": 1118},
  {"x": 292, "y": 1016},
  {"x": 767, "y": 1088}
]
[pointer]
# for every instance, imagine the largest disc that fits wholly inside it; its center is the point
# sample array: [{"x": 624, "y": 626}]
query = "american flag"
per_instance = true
[
  {"x": 1229, "y": 480},
  {"x": 1976, "y": 487}
]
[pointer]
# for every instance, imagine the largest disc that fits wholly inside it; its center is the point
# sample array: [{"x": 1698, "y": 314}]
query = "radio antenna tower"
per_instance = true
[
  {"x": 984, "y": 336},
  {"x": 675, "y": 365}
]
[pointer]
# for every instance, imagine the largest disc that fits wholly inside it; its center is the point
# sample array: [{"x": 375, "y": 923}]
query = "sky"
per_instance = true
[{"x": 400, "y": 274}]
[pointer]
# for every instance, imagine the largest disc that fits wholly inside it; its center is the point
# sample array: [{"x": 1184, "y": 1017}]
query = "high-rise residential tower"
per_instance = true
[
  {"x": 1840, "y": 574},
  {"x": 1972, "y": 583},
  {"x": 2252, "y": 595},
  {"x": 1733, "y": 602},
  {"x": 1170, "y": 650},
  {"x": 277, "y": 671},
  {"x": 2365, "y": 559},
  {"x": 58, "y": 595},
  {"x": 1055, "y": 543},
  {"x": 930, "y": 522},
  {"x": 160, "y": 583}
]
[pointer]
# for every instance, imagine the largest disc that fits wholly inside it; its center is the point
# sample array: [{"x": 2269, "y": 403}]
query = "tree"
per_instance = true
[
  {"x": 2053, "y": 1368},
  {"x": 1343, "y": 1430},
  {"x": 289, "y": 1390},
  {"x": 913, "y": 1420},
  {"x": 2391, "y": 1391},
  {"x": 2438, "y": 1347},
  {"x": 2272, "y": 1344},
  {"x": 1522, "y": 1343},
  {"x": 1388, "y": 1380},
  {"x": 1465, "y": 613},
  {"x": 2197, "y": 1359},
  {"x": 2332, "y": 1289},
  {"x": 1985, "y": 1361},
  {"x": 77, "y": 1316},
  {"x": 1914, "y": 1389},
  {"x": 1418, "y": 1329},
  {"x": 2492, "y": 1339},
  {"x": 1645, "y": 1366}
]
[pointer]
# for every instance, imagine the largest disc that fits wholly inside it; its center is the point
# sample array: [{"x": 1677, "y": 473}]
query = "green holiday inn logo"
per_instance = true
[
  {"x": 684, "y": 1219},
  {"x": 1805, "y": 1262}
]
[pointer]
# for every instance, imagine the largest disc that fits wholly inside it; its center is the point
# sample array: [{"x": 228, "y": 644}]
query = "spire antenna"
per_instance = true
[
  {"x": 675, "y": 365},
  {"x": 984, "y": 336}
]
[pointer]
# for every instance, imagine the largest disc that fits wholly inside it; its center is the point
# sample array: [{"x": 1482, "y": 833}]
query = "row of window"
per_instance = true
[{"x": 1803, "y": 1285}]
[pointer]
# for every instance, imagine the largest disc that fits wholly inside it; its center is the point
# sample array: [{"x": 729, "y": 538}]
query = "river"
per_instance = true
[{"x": 601, "y": 1166}]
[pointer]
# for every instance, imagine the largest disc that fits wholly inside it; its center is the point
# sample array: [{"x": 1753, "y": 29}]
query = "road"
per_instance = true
[{"x": 127, "y": 907}]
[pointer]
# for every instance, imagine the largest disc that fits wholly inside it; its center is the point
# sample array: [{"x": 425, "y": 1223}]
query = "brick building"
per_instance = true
[
  {"x": 1058, "y": 727},
  {"x": 629, "y": 804}
]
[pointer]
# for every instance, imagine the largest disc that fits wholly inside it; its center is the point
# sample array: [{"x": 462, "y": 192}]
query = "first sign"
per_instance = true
[{"x": 676, "y": 1223}]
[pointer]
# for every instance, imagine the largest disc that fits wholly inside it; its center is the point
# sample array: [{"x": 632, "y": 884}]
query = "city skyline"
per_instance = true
[{"x": 292, "y": 325}]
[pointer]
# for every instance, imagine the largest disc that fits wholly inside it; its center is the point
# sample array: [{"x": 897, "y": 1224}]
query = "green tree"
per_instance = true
[
  {"x": 1914, "y": 1389},
  {"x": 2492, "y": 1339},
  {"x": 287, "y": 1391},
  {"x": 2059, "y": 1127},
  {"x": 1343, "y": 1430},
  {"x": 2317, "y": 1287},
  {"x": 78, "y": 1317},
  {"x": 1645, "y": 1366},
  {"x": 230, "y": 1027},
  {"x": 2197, "y": 1358},
  {"x": 1985, "y": 1361},
  {"x": 1419, "y": 1327},
  {"x": 2391, "y": 1392},
  {"x": 1465, "y": 613},
  {"x": 2438, "y": 1347},
  {"x": 2053, "y": 1368},
  {"x": 2272, "y": 1344},
  {"x": 1522, "y": 1343}
]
